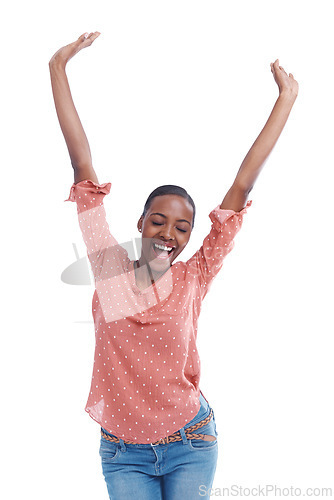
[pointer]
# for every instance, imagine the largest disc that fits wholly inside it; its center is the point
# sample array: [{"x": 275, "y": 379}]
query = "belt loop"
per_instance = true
[
  {"x": 184, "y": 437},
  {"x": 122, "y": 445}
]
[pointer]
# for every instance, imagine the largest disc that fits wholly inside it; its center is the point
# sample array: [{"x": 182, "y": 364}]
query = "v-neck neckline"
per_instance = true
[{"x": 150, "y": 287}]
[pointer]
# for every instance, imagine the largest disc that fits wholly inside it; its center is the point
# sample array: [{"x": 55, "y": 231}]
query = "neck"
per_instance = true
[{"x": 144, "y": 272}]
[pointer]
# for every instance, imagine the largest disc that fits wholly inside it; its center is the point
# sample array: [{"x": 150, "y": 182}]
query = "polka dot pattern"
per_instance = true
[{"x": 146, "y": 371}]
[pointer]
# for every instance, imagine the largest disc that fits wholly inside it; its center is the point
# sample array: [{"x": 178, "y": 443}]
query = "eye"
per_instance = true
[{"x": 160, "y": 224}]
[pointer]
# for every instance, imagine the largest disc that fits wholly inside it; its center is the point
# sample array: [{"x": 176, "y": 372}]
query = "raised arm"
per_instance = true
[
  {"x": 256, "y": 157},
  {"x": 69, "y": 120}
]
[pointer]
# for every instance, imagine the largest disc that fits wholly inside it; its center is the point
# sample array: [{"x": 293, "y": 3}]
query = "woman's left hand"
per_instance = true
[{"x": 285, "y": 82}]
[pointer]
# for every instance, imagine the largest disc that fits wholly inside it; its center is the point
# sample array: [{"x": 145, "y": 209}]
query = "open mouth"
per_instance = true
[{"x": 161, "y": 251}]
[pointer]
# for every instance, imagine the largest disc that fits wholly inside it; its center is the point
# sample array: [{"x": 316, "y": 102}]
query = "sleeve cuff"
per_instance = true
[
  {"x": 219, "y": 215},
  {"x": 88, "y": 186}
]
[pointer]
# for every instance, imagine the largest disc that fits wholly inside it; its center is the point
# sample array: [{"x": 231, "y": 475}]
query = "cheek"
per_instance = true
[
  {"x": 186, "y": 238},
  {"x": 146, "y": 241},
  {"x": 183, "y": 243}
]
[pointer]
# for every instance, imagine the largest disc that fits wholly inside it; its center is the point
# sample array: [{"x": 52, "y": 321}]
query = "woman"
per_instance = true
[{"x": 158, "y": 431}]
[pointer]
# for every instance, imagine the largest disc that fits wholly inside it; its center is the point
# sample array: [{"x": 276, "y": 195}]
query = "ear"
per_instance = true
[{"x": 140, "y": 224}]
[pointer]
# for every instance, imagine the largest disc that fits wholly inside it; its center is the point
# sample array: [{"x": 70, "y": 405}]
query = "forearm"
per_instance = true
[
  {"x": 69, "y": 120},
  {"x": 259, "y": 152}
]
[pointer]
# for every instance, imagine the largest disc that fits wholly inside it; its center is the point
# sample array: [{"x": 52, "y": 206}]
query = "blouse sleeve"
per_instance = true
[
  {"x": 208, "y": 260},
  {"x": 106, "y": 256}
]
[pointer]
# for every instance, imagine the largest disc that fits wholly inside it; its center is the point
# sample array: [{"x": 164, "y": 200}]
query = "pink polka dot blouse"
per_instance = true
[{"x": 146, "y": 373}]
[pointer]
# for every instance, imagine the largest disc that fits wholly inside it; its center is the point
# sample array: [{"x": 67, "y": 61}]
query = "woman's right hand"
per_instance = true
[
  {"x": 63, "y": 55},
  {"x": 286, "y": 83}
]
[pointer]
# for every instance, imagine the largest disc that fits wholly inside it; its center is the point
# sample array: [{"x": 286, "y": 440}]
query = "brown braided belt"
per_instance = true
[{"x": 176, "y": 436}]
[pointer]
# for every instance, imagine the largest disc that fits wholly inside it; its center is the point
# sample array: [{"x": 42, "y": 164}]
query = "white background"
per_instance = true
[{"x": 171, "y": 93}]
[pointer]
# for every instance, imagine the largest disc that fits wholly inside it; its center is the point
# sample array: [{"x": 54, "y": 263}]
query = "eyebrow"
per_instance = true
[{"x": 162, "y": 215}]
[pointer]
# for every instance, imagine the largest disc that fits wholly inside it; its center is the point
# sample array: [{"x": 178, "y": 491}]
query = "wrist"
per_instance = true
[
  {"x": 288, "y": 95},
  {"x": 57, "y": 64}
]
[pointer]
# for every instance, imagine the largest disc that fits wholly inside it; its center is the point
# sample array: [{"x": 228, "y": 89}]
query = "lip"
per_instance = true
[
  {"x": 159, "y": 242},
  {"x": 170, "y": 255}
]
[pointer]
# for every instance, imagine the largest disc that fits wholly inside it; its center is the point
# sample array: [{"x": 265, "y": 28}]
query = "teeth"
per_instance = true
[{"x": 163, "y": 247}]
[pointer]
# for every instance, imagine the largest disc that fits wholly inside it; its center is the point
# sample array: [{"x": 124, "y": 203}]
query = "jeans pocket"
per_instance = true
[
  {"x": 108, "y": 450},
  {"x": 201, "y": 444},
  {"x": 214, "y": 421}
]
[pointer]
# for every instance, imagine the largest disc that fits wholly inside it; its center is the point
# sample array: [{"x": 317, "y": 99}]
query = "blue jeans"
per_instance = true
[{"x": 181, "y": 470}]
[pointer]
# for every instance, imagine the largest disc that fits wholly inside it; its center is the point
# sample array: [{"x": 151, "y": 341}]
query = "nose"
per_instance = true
[{"x": 166, "y": 233}]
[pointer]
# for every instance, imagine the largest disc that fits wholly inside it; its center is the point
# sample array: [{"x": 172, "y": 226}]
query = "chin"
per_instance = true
[{"x": 159, "y": 264}]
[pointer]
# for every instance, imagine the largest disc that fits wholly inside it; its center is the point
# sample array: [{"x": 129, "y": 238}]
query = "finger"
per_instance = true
[
  {"x": 88, "y": 37},
  {"x": 82, "y": 37},
  {"x": 290, "y": 74},
  {"x": 282, "y": 69},
  {"x": 273, "y": 66},
  {"x": 92, "y": 36}
]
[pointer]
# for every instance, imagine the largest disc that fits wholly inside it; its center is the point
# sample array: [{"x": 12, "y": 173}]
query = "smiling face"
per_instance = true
[{"x": 167, "y": 223}]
